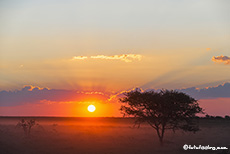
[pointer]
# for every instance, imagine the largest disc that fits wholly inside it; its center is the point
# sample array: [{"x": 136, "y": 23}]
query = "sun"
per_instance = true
[{"x": 91, "y": 108}]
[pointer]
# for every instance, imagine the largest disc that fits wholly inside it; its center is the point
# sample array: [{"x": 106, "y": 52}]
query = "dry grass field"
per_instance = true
[{"x": 106, "y": 136}]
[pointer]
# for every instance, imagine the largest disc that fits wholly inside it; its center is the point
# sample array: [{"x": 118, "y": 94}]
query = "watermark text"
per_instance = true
[{"x": 201, "y": 147}]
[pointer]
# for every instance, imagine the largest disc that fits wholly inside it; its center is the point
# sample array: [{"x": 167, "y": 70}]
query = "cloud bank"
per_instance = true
[
  {"x": 223, "y": 59},
  {"x": 220, "y": 91},
  {"x": 123, "y": 57},
  {"x": 30, "y": 94}
]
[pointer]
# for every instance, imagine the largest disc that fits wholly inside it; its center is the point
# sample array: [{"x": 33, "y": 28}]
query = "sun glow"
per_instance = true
[{"x": 91, "y": 108}]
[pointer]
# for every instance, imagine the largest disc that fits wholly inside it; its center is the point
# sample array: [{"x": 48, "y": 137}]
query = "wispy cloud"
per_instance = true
[
  {"x": 116, "y": 96},
  {"x": 208, "y": 49},
  {"x": 79, "y": 57},
  {"x": 223, "y": 59},
  {"x": 123, "y": 57}
]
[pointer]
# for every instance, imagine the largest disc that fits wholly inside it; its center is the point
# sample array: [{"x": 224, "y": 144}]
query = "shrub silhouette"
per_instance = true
[
  {"x": 162, "y": 110},
  {"x": 218, "y": 117},
  {"x": 227, "y": 117},
  {"x": 26, "y": 125}
]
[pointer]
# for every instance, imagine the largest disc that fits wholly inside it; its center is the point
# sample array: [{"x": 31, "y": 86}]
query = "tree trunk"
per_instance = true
[
  {"x": 161, "y": 141},
  {"x": 160, "y": 134},
  {"x": 29, "y": 131}
]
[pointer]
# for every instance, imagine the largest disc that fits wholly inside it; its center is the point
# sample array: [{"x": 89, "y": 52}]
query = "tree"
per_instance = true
[
  {"x": 26, "y": 125},
  {"x": 162, "y": 110}
]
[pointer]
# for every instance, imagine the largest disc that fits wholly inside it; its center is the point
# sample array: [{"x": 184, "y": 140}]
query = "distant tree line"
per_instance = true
[{"x": 227, "y": 117}]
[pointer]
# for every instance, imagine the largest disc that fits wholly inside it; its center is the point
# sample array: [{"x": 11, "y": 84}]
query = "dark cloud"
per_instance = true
[
  {"x": 209, "y": 92},
  {"x": 30, "y": 94},
  {"x": 223, "y": 59},
  {"x": 220, "y": 91}
]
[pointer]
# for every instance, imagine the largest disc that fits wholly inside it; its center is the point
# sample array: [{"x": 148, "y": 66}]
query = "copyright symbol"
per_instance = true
[{"x": 185, "y": 147}]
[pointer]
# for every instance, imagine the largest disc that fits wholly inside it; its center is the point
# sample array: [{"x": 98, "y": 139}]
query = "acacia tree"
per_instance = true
[{"x": 162, "y": 110}]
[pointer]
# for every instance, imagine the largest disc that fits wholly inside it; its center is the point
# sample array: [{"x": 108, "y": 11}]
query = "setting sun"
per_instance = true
[{"x": 91, "y": 108}]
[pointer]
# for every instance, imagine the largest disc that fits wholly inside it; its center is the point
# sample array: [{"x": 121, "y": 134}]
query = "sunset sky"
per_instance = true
[{"x": 58, "y": 57}]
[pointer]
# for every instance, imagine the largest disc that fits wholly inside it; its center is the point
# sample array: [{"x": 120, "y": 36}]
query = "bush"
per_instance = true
[{"x": 227, "y": 117}]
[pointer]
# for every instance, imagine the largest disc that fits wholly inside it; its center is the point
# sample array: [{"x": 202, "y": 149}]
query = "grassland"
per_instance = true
[{"x": 106, "y": 136}]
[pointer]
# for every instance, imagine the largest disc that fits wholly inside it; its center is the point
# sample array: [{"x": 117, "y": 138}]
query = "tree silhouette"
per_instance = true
[
  {"x": 162, "y": 110},
  {"x": 26, "y": 125}
]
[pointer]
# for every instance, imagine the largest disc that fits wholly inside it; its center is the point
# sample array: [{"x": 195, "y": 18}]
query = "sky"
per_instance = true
[{"x": 98, "y": 49}]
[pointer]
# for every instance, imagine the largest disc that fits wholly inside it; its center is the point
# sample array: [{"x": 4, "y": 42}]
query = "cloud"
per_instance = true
[
  {"x": 30, "y": 94},
  {"x": 224, "y": 59},
  {"x": 116, "y": 96},
  {"x": 123, "y": 57},
  {"x": 208, "y": 49},
  {"x": 220, "y": 91},
  {"x": 79, "y": 57}
]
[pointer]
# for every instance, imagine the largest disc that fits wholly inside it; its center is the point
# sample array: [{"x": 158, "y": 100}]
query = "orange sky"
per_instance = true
[
  {"x": 73, "y": 109},
  {"x": 109, "y": 47}
]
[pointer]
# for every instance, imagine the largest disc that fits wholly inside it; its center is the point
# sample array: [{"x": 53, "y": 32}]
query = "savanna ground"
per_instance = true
[{"x": 106, "y": 136}]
